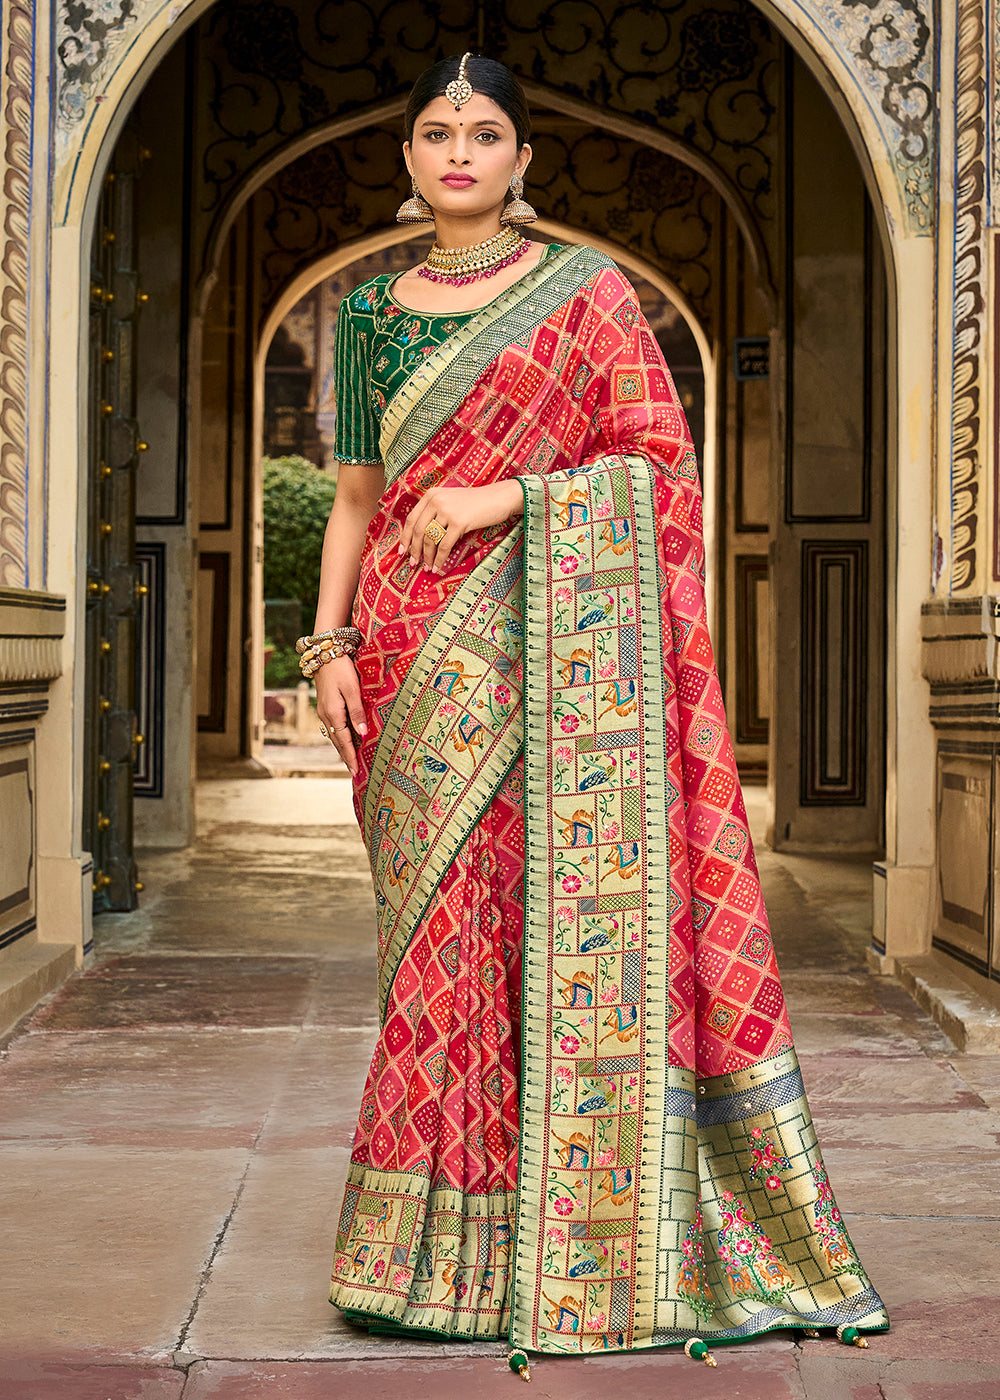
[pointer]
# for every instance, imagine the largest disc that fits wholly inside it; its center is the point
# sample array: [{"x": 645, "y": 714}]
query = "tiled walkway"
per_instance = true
[{"x": 175, "y": 1127}]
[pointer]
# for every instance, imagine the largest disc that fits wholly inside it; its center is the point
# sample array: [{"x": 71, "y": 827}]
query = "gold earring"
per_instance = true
[
  {"x": 415, "y": 210},
  {"x": 518, "y": 211}
]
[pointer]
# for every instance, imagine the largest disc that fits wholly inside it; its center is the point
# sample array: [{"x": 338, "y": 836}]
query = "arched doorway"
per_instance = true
[{"x": 230, "y": 238}]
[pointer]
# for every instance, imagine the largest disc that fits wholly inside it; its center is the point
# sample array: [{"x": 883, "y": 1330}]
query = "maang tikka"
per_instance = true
[{"x": 459, "y": 90}]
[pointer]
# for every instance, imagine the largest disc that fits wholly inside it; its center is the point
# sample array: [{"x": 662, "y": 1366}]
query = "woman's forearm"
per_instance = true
[{"x": 359, "y": 488}]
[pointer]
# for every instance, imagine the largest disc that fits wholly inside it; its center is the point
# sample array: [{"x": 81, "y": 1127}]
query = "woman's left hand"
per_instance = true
[{"x": 458, "y": 510}]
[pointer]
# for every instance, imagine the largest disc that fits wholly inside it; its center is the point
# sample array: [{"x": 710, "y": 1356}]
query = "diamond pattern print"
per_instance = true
[{"x": 426, "y": 1235}]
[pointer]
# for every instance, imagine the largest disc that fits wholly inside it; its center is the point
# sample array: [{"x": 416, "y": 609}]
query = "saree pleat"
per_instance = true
[
  {"x": 584, "y": 1125},
  {"x": 440, "y": 1106}
]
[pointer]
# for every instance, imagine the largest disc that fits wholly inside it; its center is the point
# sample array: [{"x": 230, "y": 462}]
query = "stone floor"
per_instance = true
[{"x": 175, "y": 1127}]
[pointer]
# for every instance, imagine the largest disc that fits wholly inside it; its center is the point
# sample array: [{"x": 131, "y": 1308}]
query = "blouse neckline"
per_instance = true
[{"x": 458, "y": 315}]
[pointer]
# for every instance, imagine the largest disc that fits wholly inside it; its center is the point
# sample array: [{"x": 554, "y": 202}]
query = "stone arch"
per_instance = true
[
  {"x": 891, "y": 137},
  {"x": 890, "y": 155}
]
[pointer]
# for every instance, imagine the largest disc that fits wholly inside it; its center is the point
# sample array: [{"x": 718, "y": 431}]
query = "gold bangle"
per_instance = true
[
  {"x": 351, "y": 636},
  {"x": 309, "y": 665}
]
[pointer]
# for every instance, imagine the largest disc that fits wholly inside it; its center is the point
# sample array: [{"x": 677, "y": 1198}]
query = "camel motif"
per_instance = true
[
  {"x": 624, "y": 1023},
  {"x": 575, "y": 1151},
  {"x": 468, "y": 734},
  {"x": 616, "y": 1183},
  {"x": 578, "y": 830},
  {"x": 399, "y": 868},
  {"x": 618, "y": 535},
  {"x": 503, "y": 1236},
  {"x": 573, "y": 511},
  {"x": 607, "y": 1341},
  {"x": 624, "y": 859},
  {"x": 575, "y": 668},
  {"x": 452, "y": 680},
  {"x": 579, "y": 989},
  {"x": 564, "y": 1316},
  {"x": 383, "y": 1221},
  {"x": 620, "y": 696}
]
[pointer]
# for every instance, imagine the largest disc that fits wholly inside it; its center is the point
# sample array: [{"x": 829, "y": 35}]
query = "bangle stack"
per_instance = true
[{"x": 317, "y": 650}]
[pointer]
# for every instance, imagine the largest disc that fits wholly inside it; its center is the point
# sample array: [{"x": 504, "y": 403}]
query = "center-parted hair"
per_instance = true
[{"x": 487, "y": 77}]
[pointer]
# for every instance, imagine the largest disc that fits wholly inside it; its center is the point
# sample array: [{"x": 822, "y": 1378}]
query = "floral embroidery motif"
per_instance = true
[
  {"x": 752, "y": 1267},
  {"x": 628, "y": 386},
  {"x": 692, "y": 1282},
  {"x": 840, "y": 1253},
  {"x": 767, "y": 1161}
]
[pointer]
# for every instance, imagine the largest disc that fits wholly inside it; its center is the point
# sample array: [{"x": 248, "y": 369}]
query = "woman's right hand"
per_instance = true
[{"x": 338, "y": 703}]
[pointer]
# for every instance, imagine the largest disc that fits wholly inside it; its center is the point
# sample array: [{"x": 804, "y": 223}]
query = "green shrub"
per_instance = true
[
  {"x": 297, "y": 501},
  {"x": 282, "y": 669}
]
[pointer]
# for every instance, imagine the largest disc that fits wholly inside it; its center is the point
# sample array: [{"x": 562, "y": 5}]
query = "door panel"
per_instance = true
[
  {"x": 828, "y": 552},
  {"x": 114, "y": 449}
]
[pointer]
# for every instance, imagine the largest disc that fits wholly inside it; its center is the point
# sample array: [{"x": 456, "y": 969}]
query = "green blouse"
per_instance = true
[{"x": 379, "y": 345}]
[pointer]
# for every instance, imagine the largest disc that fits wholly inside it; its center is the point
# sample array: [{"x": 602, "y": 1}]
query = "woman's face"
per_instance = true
[{"x": 463, "y": 161}]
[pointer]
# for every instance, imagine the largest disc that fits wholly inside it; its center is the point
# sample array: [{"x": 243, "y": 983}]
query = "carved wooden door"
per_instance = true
[
  {"x": 828, "y": 548},
  {"x": 114, "y": 449}
]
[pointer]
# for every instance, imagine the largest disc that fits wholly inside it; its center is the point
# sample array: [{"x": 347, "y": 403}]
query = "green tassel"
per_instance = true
[
  {"x": 518, "y": 1363},
  {"x": 851, "y": 1337},
  {"x": 698, "y": 1351}
]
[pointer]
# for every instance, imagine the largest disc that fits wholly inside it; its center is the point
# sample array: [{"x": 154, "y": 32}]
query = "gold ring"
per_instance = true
[
  {"x": 435, "y": 532},
  {"x": 338, "y": 727},
  {"x": 324, "y": 731}
]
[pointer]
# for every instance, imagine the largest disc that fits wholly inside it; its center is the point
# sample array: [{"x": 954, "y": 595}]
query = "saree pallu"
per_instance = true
[{"x": 584, "y": 1125}]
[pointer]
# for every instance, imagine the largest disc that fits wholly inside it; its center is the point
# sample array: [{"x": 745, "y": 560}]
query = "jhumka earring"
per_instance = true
[
  {"x": 518, "y": 211},
  {"x": 415, "y": 210}
]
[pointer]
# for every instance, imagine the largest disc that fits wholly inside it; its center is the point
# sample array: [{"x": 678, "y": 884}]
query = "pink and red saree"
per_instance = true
[{"x": 584, "y": 1125}]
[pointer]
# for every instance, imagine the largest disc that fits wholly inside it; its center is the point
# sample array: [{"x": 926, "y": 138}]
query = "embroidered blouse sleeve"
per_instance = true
[{"x": 356, "y": 432}]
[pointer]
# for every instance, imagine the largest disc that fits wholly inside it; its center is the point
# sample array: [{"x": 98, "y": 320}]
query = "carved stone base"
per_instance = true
[
  {"x": 961, "y": 660},
  {"x": 29, "y": 973}
]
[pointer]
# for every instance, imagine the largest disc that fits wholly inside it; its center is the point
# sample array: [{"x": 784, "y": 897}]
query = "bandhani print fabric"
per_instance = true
[{"x": 584, "y": 1125}]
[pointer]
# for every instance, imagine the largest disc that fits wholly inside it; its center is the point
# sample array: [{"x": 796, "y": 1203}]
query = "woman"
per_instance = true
[{"x": 584, "y": 1125}]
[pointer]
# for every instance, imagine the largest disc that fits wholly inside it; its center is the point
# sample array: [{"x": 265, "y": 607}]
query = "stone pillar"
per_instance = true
[
  {"x": 901, "y": 882},
  {"x": 16, "y": 115},
  {"x": 961, "y": 660},
  {"x": 37, "y": 950}
]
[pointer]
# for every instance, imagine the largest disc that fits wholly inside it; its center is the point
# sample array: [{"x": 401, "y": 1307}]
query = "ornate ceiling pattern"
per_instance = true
[
  {"x": 707, "y": 74},
  {"x": 891, "y": 45},
  {"x": 700, "y": 71},
  {"x": 709, "y": 77}
]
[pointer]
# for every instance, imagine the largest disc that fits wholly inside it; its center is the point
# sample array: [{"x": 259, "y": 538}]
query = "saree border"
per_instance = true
[
  {"x": 482, "y": 785},
  {"x": 437, "y": 388},
  {"x": 406, "y": 1219},
  {"x": 660, "y": 1116}
]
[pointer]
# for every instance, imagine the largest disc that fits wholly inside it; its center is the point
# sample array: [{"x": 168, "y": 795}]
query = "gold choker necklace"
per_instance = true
[{"x": 456, "y": 266}]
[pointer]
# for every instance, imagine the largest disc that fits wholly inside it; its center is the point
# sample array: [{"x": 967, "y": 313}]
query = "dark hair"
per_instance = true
[{"x": 487, "y": 76}]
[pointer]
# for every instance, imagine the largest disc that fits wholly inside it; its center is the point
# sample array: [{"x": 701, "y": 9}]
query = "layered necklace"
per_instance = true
[{"x": 456, "y": 266}]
